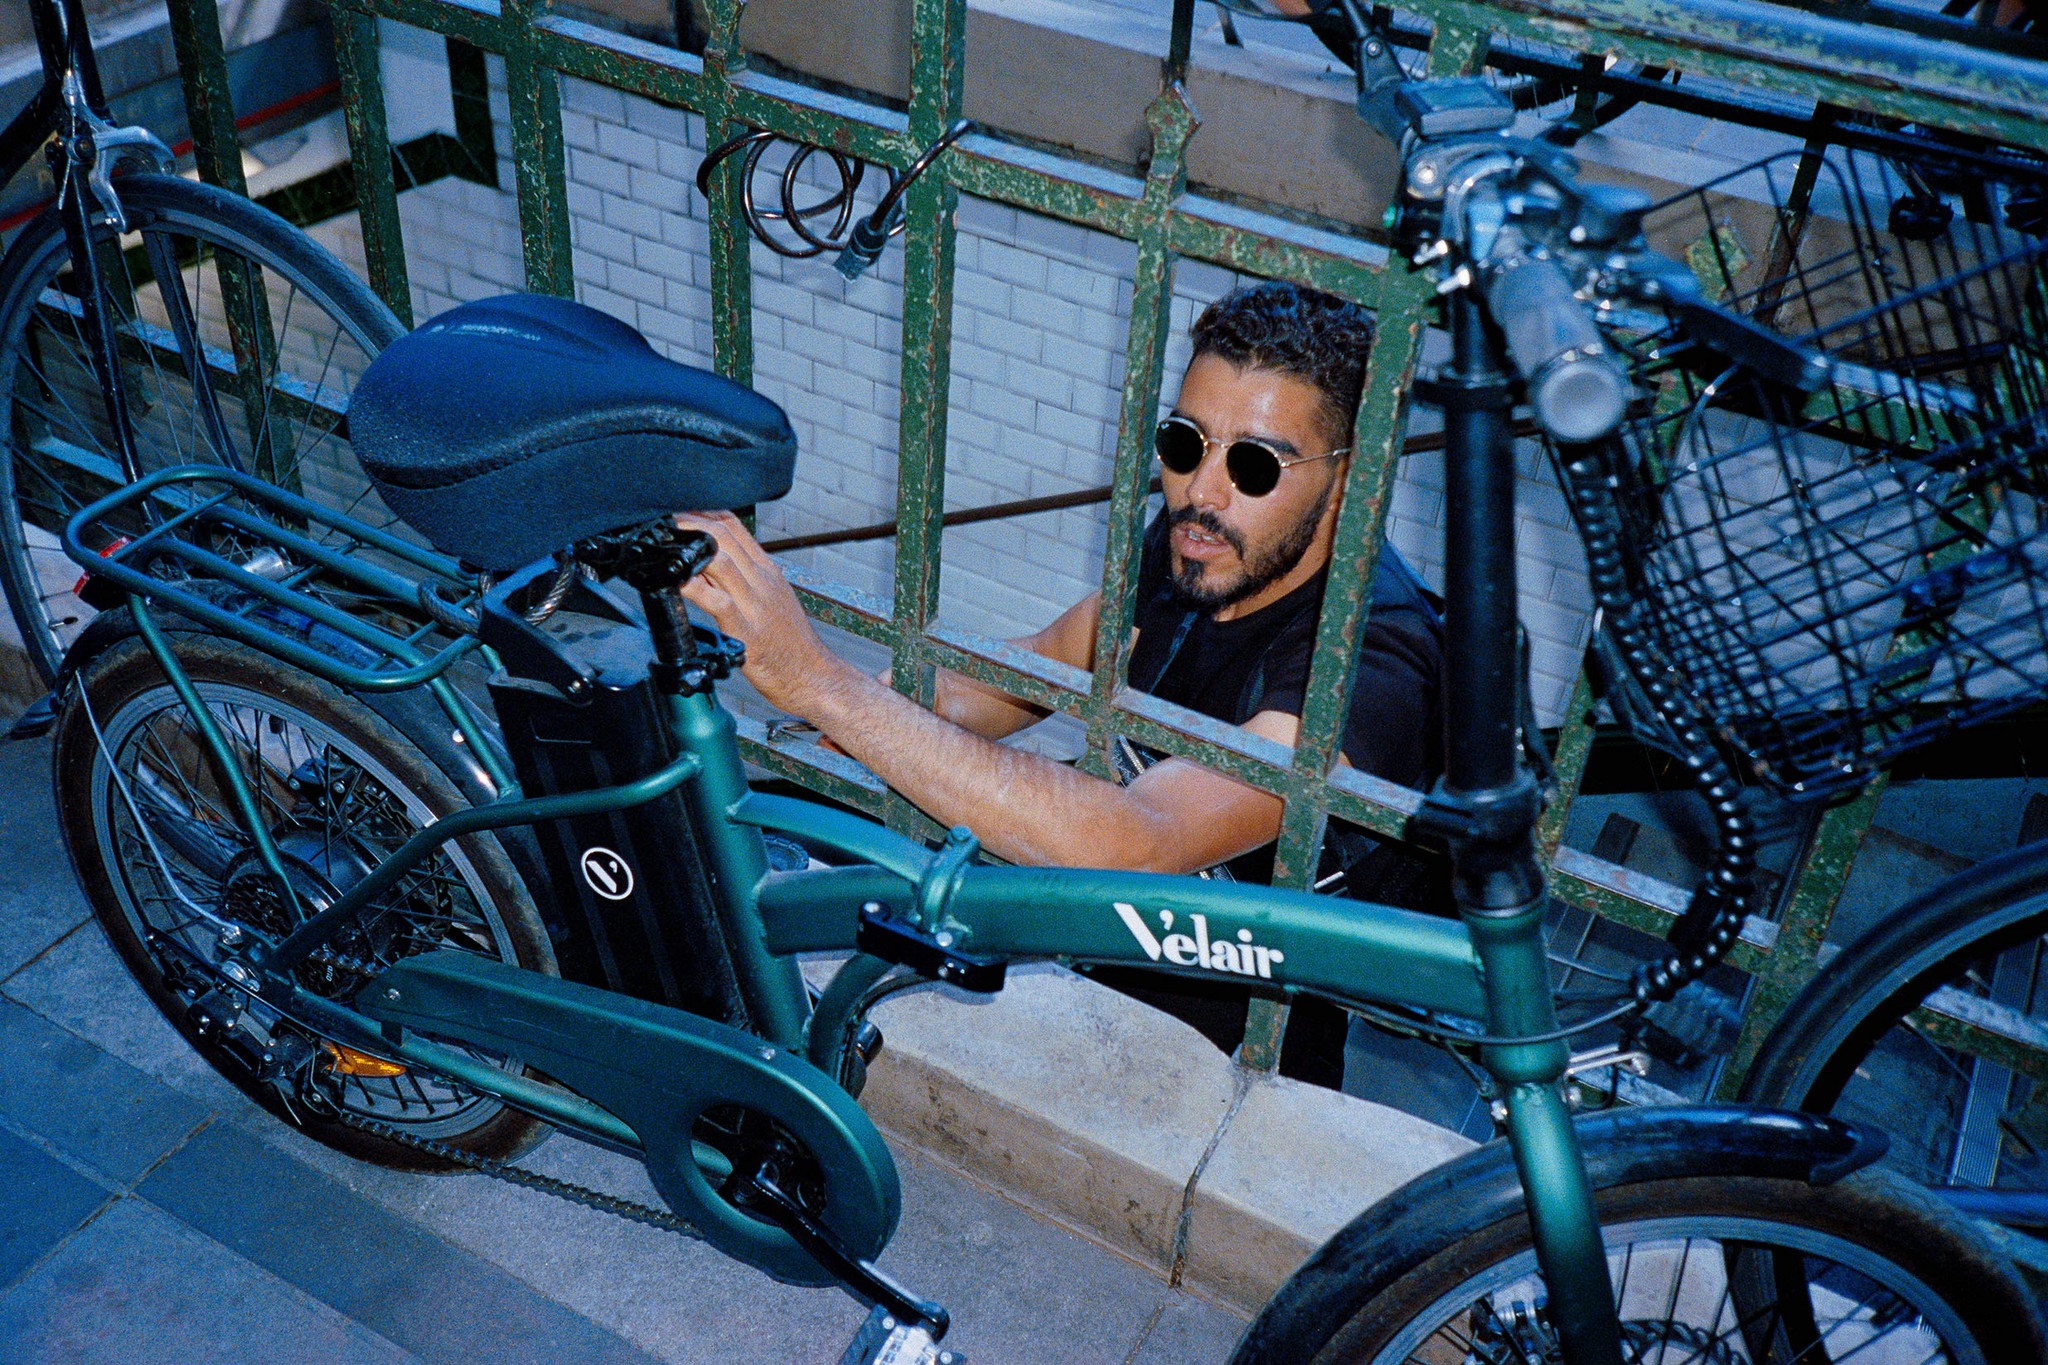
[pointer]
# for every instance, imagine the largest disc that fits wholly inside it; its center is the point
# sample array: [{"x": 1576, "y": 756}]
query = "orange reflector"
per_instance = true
[{"x": 349, "y": 1062}]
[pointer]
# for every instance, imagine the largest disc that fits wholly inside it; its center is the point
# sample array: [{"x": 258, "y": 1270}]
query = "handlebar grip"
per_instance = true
[{"x": 1577, "y": 389}]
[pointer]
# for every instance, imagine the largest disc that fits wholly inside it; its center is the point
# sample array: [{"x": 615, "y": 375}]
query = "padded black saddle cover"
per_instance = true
[{"x": 507, "y": 428}]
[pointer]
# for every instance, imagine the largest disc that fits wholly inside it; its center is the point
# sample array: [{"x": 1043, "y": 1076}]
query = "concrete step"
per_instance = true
[{"x": 1128, "y": 1126}]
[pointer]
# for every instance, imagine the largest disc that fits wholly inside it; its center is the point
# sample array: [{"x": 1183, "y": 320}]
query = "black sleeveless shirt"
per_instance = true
[{"x": 1232, "y": 670}]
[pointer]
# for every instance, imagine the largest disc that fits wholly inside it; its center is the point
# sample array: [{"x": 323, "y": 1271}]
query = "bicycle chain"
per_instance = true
[{"x": 532, "y": 1180}]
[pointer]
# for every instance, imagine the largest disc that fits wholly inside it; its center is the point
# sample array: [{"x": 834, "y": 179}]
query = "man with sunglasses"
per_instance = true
[{"x": 1229, "y": 584}]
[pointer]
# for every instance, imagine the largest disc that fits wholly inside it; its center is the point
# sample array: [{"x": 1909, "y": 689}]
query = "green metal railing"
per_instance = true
[{"x": 1851, "y": 64}]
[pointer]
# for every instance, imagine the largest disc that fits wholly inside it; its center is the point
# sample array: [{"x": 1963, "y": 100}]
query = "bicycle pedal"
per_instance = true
[{"x": 882, "y": 1340}]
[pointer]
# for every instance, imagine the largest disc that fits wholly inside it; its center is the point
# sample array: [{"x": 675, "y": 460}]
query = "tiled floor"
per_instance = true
[{"x": 148, "y": 1212}]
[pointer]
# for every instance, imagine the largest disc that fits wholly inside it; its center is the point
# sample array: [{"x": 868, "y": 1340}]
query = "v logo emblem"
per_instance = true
[{"x": 1129, "y": 915}]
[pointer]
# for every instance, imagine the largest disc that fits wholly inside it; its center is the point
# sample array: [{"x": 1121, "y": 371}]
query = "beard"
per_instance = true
[{"x": 1258, "y": 569}]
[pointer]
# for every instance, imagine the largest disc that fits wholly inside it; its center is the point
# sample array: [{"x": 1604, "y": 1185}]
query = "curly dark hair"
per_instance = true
[{"x": 1316, "y": 337}]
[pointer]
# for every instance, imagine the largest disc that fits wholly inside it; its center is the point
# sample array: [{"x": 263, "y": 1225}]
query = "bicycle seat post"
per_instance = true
[
  {"x": 656, "y": 559},
  {"x": 675, "y": 648}
]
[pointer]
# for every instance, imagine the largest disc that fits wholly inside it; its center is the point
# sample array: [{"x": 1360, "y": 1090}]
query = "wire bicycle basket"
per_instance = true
[{"x": 1836, "y": 578}]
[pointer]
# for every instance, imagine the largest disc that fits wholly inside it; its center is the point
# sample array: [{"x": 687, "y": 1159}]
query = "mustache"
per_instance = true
[{"x": 1204, "y": 519}]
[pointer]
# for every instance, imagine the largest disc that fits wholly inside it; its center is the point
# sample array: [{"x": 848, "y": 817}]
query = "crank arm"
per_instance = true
[{"x": 758, "y": 1191}]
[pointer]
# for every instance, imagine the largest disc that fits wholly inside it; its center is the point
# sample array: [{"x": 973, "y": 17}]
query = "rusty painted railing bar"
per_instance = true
[
  {"x": 1568, "y": 759},
  {"x": 480, "y": 25},
  {"x": 1836, "y": 61},
  {"x": 1171, "y": 121},
  {"x": 209, "y": 107},
  {"x": 534, "y": 92},
  {"x": 358, "y": 55},
  {"x": 1823, "y": 871},
  {"x": 846, "y": 608},
  {"x": 1399, "y": 293},
  {"x": 999, "y": 511},
  {"x": 1621, "y": 896},
  {"x": 732, "y": 274},
  {"x": 937, "y": 80},
  {"x": 1032, "y": 678},
  {"x": 1003, "y": 174}
]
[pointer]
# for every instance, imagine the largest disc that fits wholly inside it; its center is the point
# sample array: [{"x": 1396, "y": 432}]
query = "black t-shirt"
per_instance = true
[{"x": 1232, "y": 670}]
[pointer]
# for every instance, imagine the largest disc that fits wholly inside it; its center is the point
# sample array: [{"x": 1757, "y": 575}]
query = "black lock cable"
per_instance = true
[{"x": 859, "y": 241}]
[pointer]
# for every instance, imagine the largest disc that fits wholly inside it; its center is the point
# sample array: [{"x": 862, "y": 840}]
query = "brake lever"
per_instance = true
[
  {"x": 1396, "y": 107},
  {"x": 1729, "y": 335}
]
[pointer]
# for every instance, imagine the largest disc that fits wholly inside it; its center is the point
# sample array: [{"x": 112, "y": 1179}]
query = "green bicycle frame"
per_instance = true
[{"x": 1491, "y": 967}]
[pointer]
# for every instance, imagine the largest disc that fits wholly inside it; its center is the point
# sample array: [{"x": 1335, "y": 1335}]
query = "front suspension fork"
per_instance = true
[{"x": 1486, "y": 809}]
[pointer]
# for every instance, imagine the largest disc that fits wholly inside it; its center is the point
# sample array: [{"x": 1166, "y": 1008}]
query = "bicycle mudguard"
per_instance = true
[
  {"x": 412, "y": 712},
  {"x": 659, "y": 1070},
  {"x": 1621, "y": 1147}
]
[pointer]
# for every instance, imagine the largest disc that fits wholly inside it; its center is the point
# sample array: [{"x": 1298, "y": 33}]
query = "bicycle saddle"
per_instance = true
[{"x": 507, "y": 428}]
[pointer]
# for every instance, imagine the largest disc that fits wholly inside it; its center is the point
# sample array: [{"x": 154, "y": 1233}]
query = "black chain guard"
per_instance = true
[{"x": 658, "y": 1070}]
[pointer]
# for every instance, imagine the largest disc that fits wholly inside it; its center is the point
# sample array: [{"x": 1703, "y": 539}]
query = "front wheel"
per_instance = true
[{"x": 1710, "y": 1270}]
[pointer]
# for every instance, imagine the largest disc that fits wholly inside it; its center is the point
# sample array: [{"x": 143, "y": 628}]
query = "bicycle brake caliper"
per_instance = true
[{"x": 108, "y": 146}]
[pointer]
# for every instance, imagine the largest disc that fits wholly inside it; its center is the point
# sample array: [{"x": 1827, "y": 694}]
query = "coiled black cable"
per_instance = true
[
  {"x": 859, "y": 243},
  {"x": 1720, "y": 903}
]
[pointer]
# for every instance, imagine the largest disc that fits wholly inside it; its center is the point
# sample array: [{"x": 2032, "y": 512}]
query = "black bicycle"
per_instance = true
[{"x": 147, "y": 321}]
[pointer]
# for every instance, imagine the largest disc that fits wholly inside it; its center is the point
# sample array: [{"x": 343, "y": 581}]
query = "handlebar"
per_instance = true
[{"x": 1576, "y": 387}]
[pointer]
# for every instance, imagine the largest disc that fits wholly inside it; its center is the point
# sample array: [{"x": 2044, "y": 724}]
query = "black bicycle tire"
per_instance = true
[
  {"x": 211, "y": 214},
  {"x": 1867, "y": 989},
  {"x": 1388, "y": 1268},
  {"x": 126, "y": 672}
]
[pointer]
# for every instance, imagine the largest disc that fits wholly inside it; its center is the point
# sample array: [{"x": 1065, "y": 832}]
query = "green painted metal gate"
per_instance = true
[{"x": 1839, "y": 54}]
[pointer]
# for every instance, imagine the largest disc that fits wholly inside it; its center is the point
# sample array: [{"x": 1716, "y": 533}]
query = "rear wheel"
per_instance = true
[
  {"x": 176, "y": 881},
  {"x": 239, "y": 339}
]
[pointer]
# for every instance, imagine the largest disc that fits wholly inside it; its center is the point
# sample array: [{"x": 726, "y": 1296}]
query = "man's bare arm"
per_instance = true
[
  {"x": 1177, "y": 817},
  {"x": 992, "y": 713}
]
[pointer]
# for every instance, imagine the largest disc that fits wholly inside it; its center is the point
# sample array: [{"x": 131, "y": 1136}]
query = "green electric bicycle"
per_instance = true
[{"x": 427, "y": 923}]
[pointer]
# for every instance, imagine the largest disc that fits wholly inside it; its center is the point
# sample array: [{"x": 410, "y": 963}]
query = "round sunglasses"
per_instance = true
[{"x": 1253, "y": 466}]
